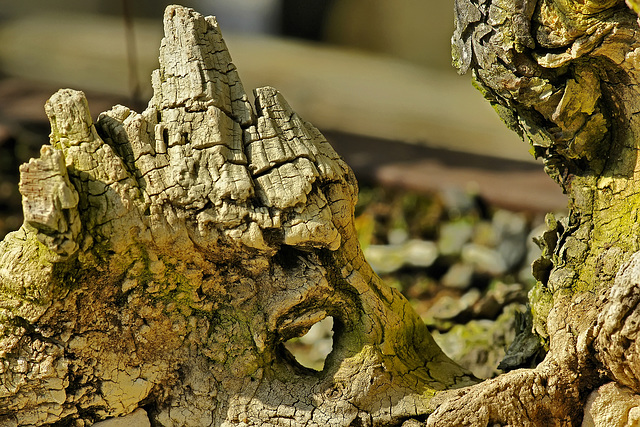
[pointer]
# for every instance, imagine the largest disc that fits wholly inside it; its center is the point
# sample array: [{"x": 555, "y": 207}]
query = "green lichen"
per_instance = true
[
  {"x": 614, "y": 233},
  {"x": 541, "y": 300},
  {"x": 38, "y": 257}
]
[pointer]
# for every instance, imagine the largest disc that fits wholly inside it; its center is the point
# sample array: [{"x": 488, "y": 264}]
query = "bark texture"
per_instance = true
[
  {"x": 167, "y": 256},
  {"x": 564, "y": 75}
]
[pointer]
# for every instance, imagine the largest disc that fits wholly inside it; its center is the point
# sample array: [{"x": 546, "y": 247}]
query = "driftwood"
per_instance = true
[{"x": 167, "y": 256}]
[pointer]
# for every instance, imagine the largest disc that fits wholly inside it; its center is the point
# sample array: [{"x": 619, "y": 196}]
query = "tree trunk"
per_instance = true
[
  {"x": 564, "y": 75},
  {"x": 167, "y": 256}
]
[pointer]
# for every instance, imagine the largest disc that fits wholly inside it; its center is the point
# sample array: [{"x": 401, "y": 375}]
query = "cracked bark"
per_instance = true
[
  {"x": 166, "y": 256},
  {"x": 564, "y": 75}
]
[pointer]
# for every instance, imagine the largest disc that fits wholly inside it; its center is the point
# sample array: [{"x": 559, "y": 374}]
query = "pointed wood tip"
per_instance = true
[{"x": 195, "y": 67}]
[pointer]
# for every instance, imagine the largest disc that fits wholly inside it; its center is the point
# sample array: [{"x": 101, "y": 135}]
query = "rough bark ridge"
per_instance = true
[
  {"x": 564, "y": 74},
  {"x": 166, "y": 256}
]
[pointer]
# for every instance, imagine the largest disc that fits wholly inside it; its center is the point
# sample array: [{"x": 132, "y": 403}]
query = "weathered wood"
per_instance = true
[
  {"x": 167, "y": 256},
  {"x": 564, "y": 75}
]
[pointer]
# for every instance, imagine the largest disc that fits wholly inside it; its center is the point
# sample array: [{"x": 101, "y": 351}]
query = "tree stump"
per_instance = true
[
  {"x": 564, "y": 75},
  {"x": 167, "y": 256}
]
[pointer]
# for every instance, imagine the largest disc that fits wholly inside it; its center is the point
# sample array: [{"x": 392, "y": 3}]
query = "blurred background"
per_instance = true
[{"x": 450, "y": 198}]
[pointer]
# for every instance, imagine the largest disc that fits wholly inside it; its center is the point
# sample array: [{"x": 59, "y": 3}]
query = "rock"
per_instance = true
[
  {"x": 397, "y": 236},
  {"x": 497, "y": 297},
  {"x": 420, "y": 253},
  {"x": 453, "y": 236},
  {"x": 483, "y": 259},
  {"x": 469, "y": 346},
  {"x": 458, "y": 202},
  {"x": 448, "y": 307},
  {"x": 385, "y": 259},
  {"x": 137, "y": 418},
  {"x": 459, "y": 276},
  {"x": 511, "y": 231},
  {"x": 419, "y": 291},
  {"x": 312, "y": 349},
  {"x": 484, "y": 234},
  {"x": 479, "y": 345}
]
